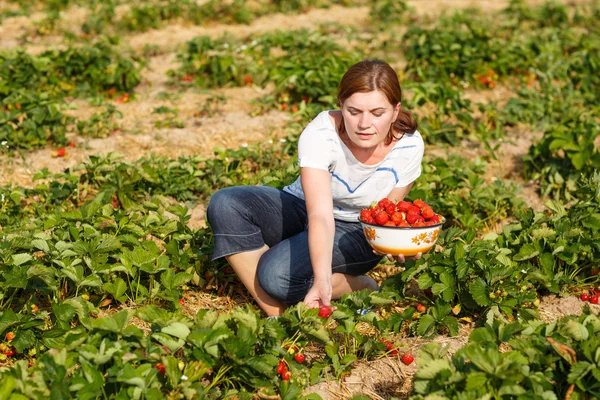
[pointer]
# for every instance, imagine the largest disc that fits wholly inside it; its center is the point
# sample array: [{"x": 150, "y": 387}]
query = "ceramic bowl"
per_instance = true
[{"x": 406, "y": 241}]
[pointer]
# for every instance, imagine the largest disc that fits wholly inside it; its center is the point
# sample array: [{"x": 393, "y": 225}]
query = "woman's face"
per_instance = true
[{"x": 368, "y": 117}]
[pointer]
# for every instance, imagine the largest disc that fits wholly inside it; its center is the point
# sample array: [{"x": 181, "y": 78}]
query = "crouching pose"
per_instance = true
[{"x": 304, "y": 243}]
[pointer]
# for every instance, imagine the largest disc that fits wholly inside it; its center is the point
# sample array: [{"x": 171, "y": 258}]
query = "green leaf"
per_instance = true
[
  {"x": 526, "y": 252},
  {"x": 576, "y": 330},
  {"x": 480, "y": 292},
  {"x": 24, "y": 340},
  {"x": 8, "y": 319},
  {"x": 177, "y": 329},
  {"x": 578, "y": 371},
  {"x": 476, "y": 380},
  {"x": 426, "y": 325},
  {"x": 21, "y": 258},
  {"x": 432, "y": 368}
]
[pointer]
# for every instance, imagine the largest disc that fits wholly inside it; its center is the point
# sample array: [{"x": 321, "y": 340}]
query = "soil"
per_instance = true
[{"x": 234, "y": 125}]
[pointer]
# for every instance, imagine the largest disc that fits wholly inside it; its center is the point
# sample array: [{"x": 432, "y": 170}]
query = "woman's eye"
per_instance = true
[{"x": 378, "y": 115}]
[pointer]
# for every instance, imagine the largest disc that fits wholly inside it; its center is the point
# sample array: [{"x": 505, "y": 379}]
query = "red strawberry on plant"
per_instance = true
[
  {"x": 299, "y": 358},
  {"x": 161, "y": 368},
  {"x": 10, "y": 336},
  {"x": 594, "y": 299},
  {"x": 325, "y": 311},
  {"x": 286, "y": 375},
  {"x": 281, "y": 367},
  {"x": 421, "y": 308},
  {"x": 9, "y": 352},
  {"x": 407, "y": 358},
  {"x": 584, "y": 297},
  {"x": 61, "y": 152}
]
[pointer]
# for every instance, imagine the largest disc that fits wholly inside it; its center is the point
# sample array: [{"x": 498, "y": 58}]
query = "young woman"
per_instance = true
[{"x": 304, "y": 243}]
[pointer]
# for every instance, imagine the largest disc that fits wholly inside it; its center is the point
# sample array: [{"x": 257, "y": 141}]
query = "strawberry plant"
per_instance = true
[{"x": 552, "y": 360}]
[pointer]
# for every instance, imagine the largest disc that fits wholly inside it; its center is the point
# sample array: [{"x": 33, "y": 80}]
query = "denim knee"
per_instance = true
[
  {"x": 272, "y": 280},
  {"x": 279, "y": 278},
  {"x": 231, "y": 222}
]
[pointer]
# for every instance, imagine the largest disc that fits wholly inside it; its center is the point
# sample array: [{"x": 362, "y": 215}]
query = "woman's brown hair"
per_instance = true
[{"x": 370, "y": 75}]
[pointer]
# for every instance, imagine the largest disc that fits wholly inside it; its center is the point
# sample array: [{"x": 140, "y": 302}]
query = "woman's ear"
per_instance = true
[{"x": 397, "y": 110}]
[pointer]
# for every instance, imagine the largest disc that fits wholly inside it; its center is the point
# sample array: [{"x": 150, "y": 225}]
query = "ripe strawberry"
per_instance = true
[
  {"x": 435, "y": 219},
  {"x": 370, "y": 220},
  {"x": 389, "y": 347},
  {"x": 427, "y": 213},
  {"x": 182, "y": 301},
  {"x": 421, "y": 308},
  {"x": 10, "y": 336},
  {"x": 390, "y": 223},
  {"x": 9, "y": 352},
  {"x": 404, "y": 206},
  {"x": 72, "y": 144},
  {"x": 286, "y": 375},
  {"x": 299, "y": 358},
  {"x": 585, "y": 297},
  {"x": 414, "y": 210},
  {"x": 284, "y": 106},
  {"x": 281, "y": 367},
  {"x": 411, "y": 217},
  {"x": 384, "y": 202},
  {"x": 407, "y": 358},
  {"x": 365, "y": 215},
  {"x": 294, "y": 109},
  {"x": 61, "y": 152},
  {"x": 248, "y": 80},
  {"x": 325, "y": 311},
  {"x": 161, "y": 368},
  {"x": 419, "y": 203},
  {"x": 594, "y": 299},
  {"x": 381, "y": 218},
  {"x": 397, "y": 217},
  {"x": 390, "y": 208},
  {"x": 403, "y": 224}
]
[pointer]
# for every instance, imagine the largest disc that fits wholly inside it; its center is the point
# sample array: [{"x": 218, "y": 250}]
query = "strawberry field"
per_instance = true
[{"x": 119, "y": 120}]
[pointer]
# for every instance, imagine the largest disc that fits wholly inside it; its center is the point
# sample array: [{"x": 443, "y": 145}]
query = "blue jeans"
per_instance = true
[{"x": 245, "y": 218}]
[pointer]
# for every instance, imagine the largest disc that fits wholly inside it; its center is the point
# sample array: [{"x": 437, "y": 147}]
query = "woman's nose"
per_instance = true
[{"x": 364, "y": 121}]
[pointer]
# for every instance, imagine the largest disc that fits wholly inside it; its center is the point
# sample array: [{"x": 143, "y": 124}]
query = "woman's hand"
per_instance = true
[
  {"x": 319, "y": 294},
  {"x": 400, "y": 257}
]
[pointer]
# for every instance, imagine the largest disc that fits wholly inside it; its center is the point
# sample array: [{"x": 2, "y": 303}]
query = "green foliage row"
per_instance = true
[
  {"x": 502, "y": 274},
  {"x": 303, "y": 65},
  {"x": 33, "y": 89},
  {"x": 553, "y": 360}
]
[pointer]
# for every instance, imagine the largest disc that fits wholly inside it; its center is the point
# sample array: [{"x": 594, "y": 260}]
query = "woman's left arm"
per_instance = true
[{"x": 398, "y": 194}]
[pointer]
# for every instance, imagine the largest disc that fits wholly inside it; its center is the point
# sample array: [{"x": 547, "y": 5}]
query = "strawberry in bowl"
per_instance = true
[{"x": 405, "y": 227}]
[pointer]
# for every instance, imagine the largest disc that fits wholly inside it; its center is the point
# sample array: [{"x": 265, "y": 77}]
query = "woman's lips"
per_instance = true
[{"x": 364, "y": 135}]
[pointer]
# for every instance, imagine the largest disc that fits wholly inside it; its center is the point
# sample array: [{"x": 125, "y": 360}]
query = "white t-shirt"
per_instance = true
[{"x": 354, "y": 185}]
